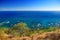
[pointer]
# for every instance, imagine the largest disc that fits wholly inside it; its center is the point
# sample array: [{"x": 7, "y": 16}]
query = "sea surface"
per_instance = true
[{"x": 44, "y": 17}]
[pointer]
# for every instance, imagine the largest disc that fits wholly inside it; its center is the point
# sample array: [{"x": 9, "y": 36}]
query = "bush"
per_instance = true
[
  {"x": 19, "y": 29},
  {"x": 3, "y": 31}
]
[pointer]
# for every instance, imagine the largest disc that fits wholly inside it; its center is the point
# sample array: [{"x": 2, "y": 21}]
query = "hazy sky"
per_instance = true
[{"x": 29, "y": 5}]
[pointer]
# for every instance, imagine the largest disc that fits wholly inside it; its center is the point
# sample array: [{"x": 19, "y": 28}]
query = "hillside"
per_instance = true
[{"x": 21, "y": 31}]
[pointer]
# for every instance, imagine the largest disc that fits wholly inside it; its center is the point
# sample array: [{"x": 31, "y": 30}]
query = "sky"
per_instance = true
[{"x": 6, "y": 5}]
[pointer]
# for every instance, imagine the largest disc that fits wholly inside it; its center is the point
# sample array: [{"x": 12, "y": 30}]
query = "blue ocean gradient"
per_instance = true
[{"x": 30, "y": 16}]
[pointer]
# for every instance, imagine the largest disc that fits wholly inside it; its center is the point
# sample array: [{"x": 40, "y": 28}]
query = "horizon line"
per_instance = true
[{"x": 30, "y": 9}]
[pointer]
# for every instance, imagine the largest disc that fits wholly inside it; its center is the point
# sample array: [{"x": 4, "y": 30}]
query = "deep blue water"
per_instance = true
[{"x": 43, "y": 17}]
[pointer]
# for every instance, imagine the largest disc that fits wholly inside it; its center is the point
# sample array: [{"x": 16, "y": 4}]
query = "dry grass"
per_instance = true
[{"x": 54, "y": 35}]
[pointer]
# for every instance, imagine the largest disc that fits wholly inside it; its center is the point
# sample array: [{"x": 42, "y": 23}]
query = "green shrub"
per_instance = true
[{"x": 19, "y": 29}]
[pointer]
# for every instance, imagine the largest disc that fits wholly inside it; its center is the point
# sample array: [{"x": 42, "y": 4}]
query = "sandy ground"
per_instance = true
[{"x": 54, "y": 35}]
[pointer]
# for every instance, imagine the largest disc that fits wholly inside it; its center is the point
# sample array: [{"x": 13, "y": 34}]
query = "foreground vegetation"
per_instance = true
[{"x": 22, "y": 30}]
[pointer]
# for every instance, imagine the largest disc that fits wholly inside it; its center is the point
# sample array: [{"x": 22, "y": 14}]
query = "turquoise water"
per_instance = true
[{"x": 29, "y": 17}]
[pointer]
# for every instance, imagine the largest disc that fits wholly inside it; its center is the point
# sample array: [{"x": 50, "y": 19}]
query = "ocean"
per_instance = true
[{"x": 43, "y": 17}]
